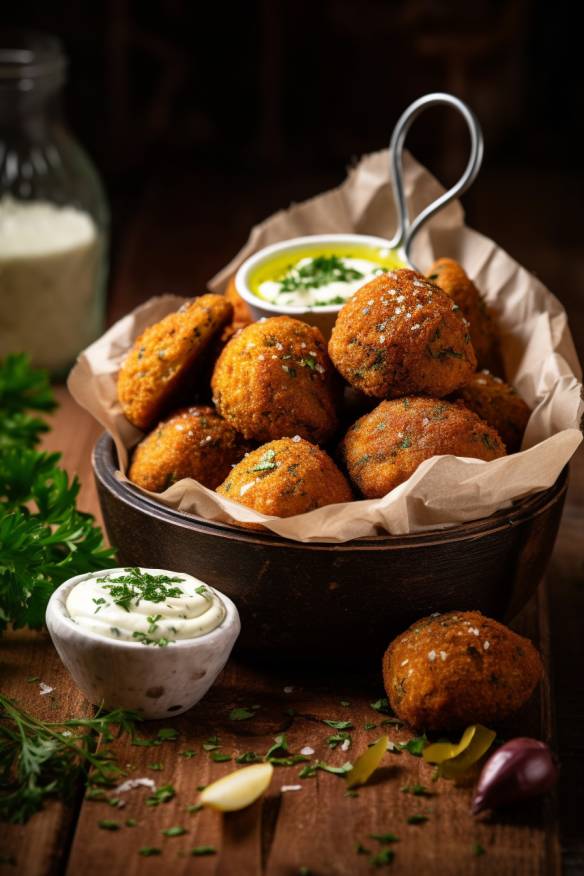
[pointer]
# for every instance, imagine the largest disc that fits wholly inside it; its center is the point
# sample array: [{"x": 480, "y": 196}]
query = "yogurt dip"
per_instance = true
[
  {"x": 145, "y": 606},
  {"x": 327, "y": 276},
  {"x": 174, "y": 636}
]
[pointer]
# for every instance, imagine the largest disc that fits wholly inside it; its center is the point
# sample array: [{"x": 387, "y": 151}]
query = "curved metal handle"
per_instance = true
[{"x": 407, "y": 230}]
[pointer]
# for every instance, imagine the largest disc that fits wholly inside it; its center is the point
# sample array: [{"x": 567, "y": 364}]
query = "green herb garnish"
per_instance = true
[
  {"x": 136, "y": 585},
  {"x": 162, "y": 795},
  {"x": 149, "y": 851},
  {"x": 418, "y": 818},
  {"x": 106, "y": 824},
  {"x": 41, "y": 760},
  {"x": 199, "y": 851},
  {"x": 174, "y": 831},
  {"x": 385, "y": 856},
  {"x": 248, "y": 757},
  {"x": 44, "y": 539},
  {"x": 318, "y": 272},
  {"x": 417, "y": 790},
  {"x": 266, "y": 462},
  {"x": 339, "y": 725},
  {"x": 240, "y": 714},
  {"x": 220, "y": 758},
  {"x": 381, "y": 705},
  {"x": 385, "y": 838},
  {"x": 478, "y": 850},
  {"x": 416, "y": 745},
  {"x": 338, "y": 739}
]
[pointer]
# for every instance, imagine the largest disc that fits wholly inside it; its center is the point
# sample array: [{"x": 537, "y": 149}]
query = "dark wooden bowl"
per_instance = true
[{"x": 342, "y": 600}]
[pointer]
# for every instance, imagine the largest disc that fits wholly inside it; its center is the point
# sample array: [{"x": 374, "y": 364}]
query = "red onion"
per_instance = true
[{"x": 520, "y": 769}]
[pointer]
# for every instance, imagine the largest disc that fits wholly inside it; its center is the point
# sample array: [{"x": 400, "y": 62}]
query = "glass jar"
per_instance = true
[{"x": 54, "y": 219}]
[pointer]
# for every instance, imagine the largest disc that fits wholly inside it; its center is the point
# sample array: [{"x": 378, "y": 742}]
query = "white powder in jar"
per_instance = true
[{"x": 49, "y": 273}]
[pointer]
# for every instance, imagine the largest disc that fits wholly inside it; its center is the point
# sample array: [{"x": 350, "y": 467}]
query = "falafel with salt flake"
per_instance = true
[{"x": 401, "y": 335}]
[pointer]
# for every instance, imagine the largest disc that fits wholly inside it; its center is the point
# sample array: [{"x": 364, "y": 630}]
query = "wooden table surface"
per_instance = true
[{"x": 316, "y": 827}]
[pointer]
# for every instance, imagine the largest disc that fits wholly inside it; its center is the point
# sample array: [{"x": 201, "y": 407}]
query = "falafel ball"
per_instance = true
[
  {"x": 448, "y": 671},
  {"x": 400, "y": 335},
  {"x": 383, "y": 448},
  {"x": 499, "y": 405},
  {"x": 286, "y": 477},
  {"x": 241, "y": 313},
  {"x": 274, "y": 380},
  {"x": 192, "y": 443},
  {"x": 166, "y": 355},
  {"x": 452, "y": 279}
]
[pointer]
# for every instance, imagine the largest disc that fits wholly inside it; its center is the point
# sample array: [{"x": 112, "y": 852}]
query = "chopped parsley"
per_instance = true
[
  {"x": 211, "y": 743},
  {"x": 155, "y": 766},
  {"x": 339, "y": 725},
  {"x": 385, "y": 856},
  {"x": 417, "y": 790},
  {"x": 220, "y": 758},
  {"x": 146, "y": 640},
  {"x": 149, "y": 851},
  {"x": 416, "y": 745},
  {"x": 478, "y": 850},
  {"x": 106, "y": 824},
  {"x": 418, "y": 818},
  {"x": 248, "y": 757},
  {"x": 318, "y": 272},
  {"x": 240, "y": 714},
  {"x": 162, "y": 795},
  {"x": 384, "y": 838},
  {"x": 266, "y": 462},
  {"x": 174, "y": 831},
  {"x": 199, "y": 851},
  {"x": 129, "y": 589},
  {"x": 188, "y": 753},
  {"x": 381, "y": 705},
  {"x": 338, "y": 739}
]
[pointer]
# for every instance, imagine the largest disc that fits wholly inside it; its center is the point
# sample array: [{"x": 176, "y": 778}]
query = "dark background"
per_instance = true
[{"x": 204, "y": 118}]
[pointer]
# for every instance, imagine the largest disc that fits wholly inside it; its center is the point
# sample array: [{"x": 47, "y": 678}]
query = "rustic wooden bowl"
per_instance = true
[{"x": 337, "y": 600}]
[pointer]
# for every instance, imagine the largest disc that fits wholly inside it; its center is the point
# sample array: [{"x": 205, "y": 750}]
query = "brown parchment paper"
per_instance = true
[{"x": 538, "y": 351}]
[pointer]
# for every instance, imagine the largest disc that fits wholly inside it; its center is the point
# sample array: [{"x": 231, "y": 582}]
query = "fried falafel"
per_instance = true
[
  {"x": 383, "y": 448},
  {"x": 166, "y": 355},
  {"x": 453, "y": 280},
  {"x": 401, "y": 335},
  {"x": 286, "y": 477},
  {"x": 499, "y": 405},
  {"x": 274, "y": 380},
  {"x": 194, "y": 443},
  {"x": 448, "y": 671}
]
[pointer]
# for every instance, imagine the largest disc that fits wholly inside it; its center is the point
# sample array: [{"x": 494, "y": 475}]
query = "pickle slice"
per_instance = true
[
  {"x": 238, "y": 789},
  {"x": 454, "y": 760},
  {"x": 367, "y": 763}
]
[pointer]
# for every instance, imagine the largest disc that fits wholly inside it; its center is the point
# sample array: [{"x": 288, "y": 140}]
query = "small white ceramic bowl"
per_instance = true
[
  {"x": 322, "y": 317},
  {"x": 158, "y": 682}
]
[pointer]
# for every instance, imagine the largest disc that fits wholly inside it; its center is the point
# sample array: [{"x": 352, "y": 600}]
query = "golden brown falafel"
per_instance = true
[
  {"x": 165, "y": 356},
  {"x": 286, "y": 477},
  {"x": 499, "y": 405},
  {"x": 274, "y": 380},
  {"x": 241, "y": 313},
  {"x": 383, "y": 448},
  {"x": 192, "y": 443},
  {"x": 448, "y": 671},
  {"x": 399, "y": 335},
  {"x": 453, "y": 280}
]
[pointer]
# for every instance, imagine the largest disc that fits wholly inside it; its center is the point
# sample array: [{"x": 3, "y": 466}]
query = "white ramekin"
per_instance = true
[
  {"x": 158, "y": 682},
  {"x": 322, "y": 317}
]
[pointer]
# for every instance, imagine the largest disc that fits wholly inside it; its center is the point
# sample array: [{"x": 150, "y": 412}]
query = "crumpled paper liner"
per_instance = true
[{"x": 537, "y": 347}]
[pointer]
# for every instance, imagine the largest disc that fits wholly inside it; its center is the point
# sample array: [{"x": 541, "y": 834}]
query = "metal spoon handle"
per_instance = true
[{"x": 407, "y": 230}]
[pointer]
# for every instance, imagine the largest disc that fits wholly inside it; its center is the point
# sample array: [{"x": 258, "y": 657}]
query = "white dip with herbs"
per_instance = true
[
  {"x": 147, "y": 606},
  {"x": 318, "y": 282}
]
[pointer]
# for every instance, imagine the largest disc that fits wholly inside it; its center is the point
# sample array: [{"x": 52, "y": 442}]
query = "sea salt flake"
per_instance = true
[
  {"x": 261, "y": 357},
  {"x": 246, "y": 487},
  {"x": 130, "y": 784},
  {"x": 279, "y": 346},
  {"x": 400, "y": 298},
  {"x": 474, "y": 631},
  {"x": 404, "y": 662},
  {"x": 346, "y": 745},
  {"x": 297, "y": 439},
  {"x": 285, "y": 788},
  {"x": 486, "y": 645},
  {"x": 425, "y": 421},
  {"x": 381, "y": 339},
  {"x": 45, "y": 689},
  {"x": 443, "y": 655},
  {"x": 408, "y": 315},
  {"x": 431, "y": 656},
  {"x": 288, "y": 689},
  {"x": 307, "y": 751},
  {"x": 179, "y": 427}
]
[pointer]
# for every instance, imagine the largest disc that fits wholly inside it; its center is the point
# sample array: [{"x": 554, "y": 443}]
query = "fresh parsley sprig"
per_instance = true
[
  {"x": 39, "y": 760},
  {"x": 44, "y": 539}
]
